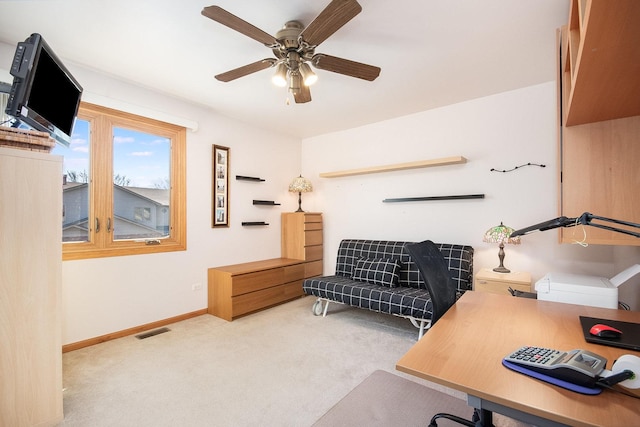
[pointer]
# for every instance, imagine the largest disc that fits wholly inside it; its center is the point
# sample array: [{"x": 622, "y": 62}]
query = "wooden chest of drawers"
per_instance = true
[
  {"x": 235, "y": 290},
  {"x": 302, "y": 239}
]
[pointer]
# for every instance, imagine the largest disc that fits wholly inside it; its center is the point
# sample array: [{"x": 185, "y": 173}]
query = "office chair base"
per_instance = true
[
  {"x": 455, "y": 418},
  {"x": 481, "y": 418}
]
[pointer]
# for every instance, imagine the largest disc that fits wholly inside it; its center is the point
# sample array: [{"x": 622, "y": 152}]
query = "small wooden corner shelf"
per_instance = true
[{"x": 455, "y": 160}]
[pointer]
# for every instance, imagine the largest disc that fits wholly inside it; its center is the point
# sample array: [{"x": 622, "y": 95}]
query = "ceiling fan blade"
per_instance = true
[
  {"x": 246, "y": 70},
  {"x": 330, "y": 20},
  {"x": 302, "y": 95},
  {"x": 345, "y": 66},
  {"x": 220, "y": 15}
]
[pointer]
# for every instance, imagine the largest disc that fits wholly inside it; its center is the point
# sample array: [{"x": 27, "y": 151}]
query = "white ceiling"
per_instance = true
[{"x": 432, "y": 52}]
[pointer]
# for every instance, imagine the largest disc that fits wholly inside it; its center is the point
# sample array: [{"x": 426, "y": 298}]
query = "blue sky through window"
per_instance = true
[{"x": 141, "y": 158}]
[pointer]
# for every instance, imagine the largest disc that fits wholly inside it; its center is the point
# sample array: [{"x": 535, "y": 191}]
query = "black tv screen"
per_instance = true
[{"x": 44, "y": 94}]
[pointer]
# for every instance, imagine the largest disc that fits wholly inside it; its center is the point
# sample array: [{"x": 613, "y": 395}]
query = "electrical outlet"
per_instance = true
[{"x": 196, "y": 286}]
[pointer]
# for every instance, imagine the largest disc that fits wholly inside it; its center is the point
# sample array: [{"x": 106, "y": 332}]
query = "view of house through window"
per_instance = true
[
  {"x": 75, "y": 184},
  {"x": 123, "y": 181},
  {"x": 140, "y": 184}
]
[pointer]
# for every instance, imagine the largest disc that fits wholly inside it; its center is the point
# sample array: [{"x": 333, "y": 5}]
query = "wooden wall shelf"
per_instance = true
[
  {"x": 266, "y": 202},
  {"x": 455, "y": 160},
  {"x": 253, "y": 223},
  {"x": 248, "y": 178},
  {"x": 430, "y": 198}
]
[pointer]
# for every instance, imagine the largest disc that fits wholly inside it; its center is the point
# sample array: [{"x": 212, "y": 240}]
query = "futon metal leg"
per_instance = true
[
  {"x": 421, "y": 333},
  {"x": 318, "y": 309},
  {"x": 424, "y": 324},
  {"x": 326, "y": 307}
]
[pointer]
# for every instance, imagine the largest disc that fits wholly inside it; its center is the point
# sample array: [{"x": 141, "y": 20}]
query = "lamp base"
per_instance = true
[
  {"x": 501, "y": 268},
  {"x": 300, "y": 202}
]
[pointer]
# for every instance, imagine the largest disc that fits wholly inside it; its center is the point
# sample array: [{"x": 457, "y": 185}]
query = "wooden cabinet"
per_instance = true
[
  {"x": 600, "y": 175},
  {"x": 302, "y": 239},
  {"x": 488, "y": 280},
  {"x": 599, "y": 116},
  {"x": 30, "y": 288},
  {"x": 239, "y": 289},
  {"x": 601, "y": 61}
]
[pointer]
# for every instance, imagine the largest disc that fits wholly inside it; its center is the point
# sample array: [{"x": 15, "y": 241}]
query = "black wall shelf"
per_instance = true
[
  {"x": 253, "y": 223},
  {"x": 248, "y": 178},
  {"x": 266, "y": 202},
  {"x": 422, "y": 199}
]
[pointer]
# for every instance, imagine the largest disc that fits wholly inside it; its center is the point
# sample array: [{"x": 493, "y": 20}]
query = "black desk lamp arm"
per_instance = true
[{"x": 586, "y": 218}]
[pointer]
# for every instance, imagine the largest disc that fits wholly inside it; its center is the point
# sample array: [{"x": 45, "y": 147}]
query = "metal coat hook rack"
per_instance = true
[{"x": 518, "y": 167}]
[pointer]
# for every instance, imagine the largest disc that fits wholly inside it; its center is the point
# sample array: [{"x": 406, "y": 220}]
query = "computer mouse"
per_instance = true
[{"x": 605, "y": 331}]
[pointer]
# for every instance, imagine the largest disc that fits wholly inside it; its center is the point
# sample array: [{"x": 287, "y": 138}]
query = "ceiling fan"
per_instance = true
[{"x": 294, "y": 48}]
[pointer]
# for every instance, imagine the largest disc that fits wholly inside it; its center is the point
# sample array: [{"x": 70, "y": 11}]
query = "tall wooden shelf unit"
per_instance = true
[
  {"x": 302, "y": 239},
  {"x": 30, "y": 288},
  {"x": 599, "y": 116}
]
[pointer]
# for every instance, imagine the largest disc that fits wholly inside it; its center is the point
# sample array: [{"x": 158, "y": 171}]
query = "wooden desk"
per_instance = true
[{"x": 465, "y": 348}]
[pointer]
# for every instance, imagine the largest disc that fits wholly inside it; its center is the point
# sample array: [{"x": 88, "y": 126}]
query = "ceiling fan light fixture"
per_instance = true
[
  {"x": 280, "y": 77},
  {"x": 308, "y": 76},
  {"x": 295, "y": 82}
]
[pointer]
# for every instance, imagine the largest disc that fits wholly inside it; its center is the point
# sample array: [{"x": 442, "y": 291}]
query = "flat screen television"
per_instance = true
[{"x": 44, "y": 94}]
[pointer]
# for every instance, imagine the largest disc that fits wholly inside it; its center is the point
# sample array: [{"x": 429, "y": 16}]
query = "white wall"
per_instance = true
[
  {"x": 102, "y": 296},
  {"x": 501, "y": 132}
]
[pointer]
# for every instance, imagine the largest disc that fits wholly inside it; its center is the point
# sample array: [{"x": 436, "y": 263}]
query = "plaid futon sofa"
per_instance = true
[{"x": 379, "y": 275}]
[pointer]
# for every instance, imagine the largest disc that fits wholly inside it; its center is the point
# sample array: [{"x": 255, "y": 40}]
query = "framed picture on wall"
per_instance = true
[{"x": 220, "y": 186}]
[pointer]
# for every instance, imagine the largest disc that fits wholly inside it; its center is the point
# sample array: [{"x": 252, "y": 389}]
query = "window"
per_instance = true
[{"x": 124, "y": 185}]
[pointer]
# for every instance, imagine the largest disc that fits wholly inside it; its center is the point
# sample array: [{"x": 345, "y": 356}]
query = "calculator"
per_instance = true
[{"x": 579, "y": 367}]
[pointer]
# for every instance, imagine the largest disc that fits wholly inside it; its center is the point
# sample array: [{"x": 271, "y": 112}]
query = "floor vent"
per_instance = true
[{"x": 152, "y": 333}]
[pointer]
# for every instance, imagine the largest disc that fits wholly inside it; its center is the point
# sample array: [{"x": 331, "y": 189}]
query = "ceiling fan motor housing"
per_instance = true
[
  {"x": 292, "y": 50},
  {"x": 289, "y": 34}
]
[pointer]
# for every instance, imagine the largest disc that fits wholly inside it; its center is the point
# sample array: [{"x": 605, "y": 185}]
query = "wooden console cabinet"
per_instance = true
[
  {"x": 302, "y": 239},
  {"x": 30, "y": 288},
  {"x": 236, "y": 290}
]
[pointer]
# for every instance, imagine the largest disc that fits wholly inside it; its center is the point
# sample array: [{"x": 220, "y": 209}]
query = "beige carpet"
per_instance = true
[
  {"x": 279, "y": 367},
  {"x": 385, "y": 399}
]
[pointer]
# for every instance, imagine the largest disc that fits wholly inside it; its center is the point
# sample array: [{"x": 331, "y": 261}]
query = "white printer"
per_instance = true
[{"x": 584, "y": 290}]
